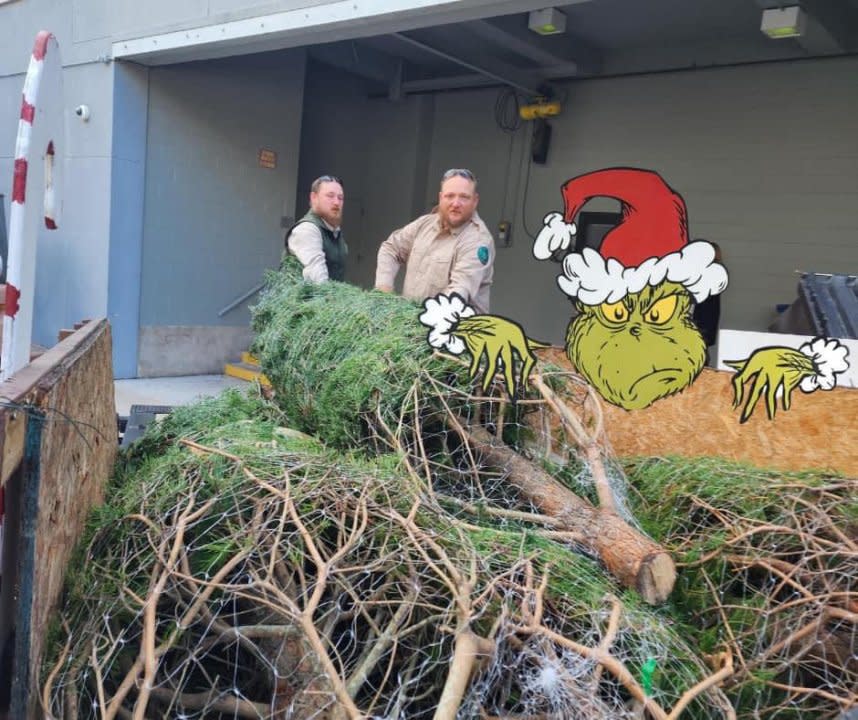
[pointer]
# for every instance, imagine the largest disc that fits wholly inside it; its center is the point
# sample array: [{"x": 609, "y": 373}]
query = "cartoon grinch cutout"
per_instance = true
[{"x": 633, "y": 339}]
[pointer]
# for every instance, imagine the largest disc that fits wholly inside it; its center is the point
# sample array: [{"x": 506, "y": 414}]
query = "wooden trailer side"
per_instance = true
[{"x": 57, "y": 447}]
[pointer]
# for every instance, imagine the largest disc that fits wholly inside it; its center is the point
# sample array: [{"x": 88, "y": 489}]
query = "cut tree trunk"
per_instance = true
[{"x": 634, "y": 559}]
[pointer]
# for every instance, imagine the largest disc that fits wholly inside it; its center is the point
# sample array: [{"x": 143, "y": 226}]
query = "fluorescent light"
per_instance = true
[
  {"x": 785, "y": 22},
  {"x": 549, "y": 21}
]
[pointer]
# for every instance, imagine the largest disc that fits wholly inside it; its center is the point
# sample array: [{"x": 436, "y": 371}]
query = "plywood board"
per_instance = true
[
  {"x": 13, "y": 426},
  {"x": 820, "y": 431},
  {"x": 72, "y": 384}
]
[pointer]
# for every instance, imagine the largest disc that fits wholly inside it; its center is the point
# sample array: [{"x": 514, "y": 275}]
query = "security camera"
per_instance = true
[{"x": 82, "y": 111}]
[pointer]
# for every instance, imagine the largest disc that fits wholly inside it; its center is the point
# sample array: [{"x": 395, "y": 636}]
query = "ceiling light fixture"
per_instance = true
[
  {"x": 549, "y": 21},
  {"x": 787, "y": 22}
]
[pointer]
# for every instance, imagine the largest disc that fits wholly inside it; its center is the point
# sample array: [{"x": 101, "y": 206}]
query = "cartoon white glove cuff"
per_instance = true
[
  {"x": 556, "y": 234},
  {"x": 441, "y": 315},
  {"x": 829, "y": 356}
]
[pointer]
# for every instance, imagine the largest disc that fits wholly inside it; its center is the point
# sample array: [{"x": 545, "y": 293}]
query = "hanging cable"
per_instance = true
[
  {"x": 506, "y": 175},
  {"x": 524, "y": 199},
  {"x": 517, "y": 187},
  {"x": 506, "y": 110}
]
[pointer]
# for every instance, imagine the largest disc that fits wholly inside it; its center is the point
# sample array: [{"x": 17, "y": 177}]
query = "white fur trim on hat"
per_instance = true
[
  {"x": 556, "y": 234},
  {"x": 591, "y": 279}
]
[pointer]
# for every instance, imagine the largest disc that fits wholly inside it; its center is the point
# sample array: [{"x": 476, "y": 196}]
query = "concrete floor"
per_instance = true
[{"x": 170, "y": 390}]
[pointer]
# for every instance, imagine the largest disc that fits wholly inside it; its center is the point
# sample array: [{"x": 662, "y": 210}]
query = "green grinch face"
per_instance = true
[{"x": 640, "y": 349}]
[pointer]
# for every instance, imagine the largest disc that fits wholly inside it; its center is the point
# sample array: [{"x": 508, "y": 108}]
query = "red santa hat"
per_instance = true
[{"x": 648, "y": 246}]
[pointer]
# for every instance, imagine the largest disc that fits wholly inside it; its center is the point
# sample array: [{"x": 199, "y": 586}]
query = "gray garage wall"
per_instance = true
[
  {"x": 379, "y": 150},
  {"x": 766, "y": 157},
  {"x": 71, "y": 270},
  {"x": 212, "y": 215}
]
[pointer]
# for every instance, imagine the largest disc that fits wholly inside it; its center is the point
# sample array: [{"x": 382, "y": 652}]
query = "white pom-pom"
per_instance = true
[{"x": 556, "y": 234}]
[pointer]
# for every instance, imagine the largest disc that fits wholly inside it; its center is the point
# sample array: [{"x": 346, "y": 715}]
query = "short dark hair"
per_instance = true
[
  {"x": 459, "y": 172},
  {"x": 317, "y": 183}
]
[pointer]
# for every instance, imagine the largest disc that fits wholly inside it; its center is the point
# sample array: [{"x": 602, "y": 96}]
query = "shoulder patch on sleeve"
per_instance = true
[{"x": 483, "y": 254}]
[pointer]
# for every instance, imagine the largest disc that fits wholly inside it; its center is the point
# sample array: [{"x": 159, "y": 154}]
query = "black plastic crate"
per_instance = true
[{"x": 139, "y": 416}]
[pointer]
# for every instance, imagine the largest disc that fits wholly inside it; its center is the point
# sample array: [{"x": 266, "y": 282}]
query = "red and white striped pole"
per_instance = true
[
  {"x": 35, "y": 194},
  {"x": 36, "y": 199}
]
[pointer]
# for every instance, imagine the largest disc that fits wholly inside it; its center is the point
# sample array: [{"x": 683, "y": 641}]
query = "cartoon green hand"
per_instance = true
[
  {"x": 497, "y": 337},
  {"x": 773, "y": 368},
  {"x": 814, "y": 366},
  {"x": 455, "y": 327}
]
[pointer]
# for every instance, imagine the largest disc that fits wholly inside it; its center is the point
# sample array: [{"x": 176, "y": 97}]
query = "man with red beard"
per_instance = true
[
  {"x": 317, "y": 239},
  {"x": 447, "y": 251}
]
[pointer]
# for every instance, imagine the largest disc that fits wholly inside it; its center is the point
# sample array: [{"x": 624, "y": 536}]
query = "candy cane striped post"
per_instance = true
[
  {"x": 36, "y": 194},
  {"x": 36, "y": 200}
]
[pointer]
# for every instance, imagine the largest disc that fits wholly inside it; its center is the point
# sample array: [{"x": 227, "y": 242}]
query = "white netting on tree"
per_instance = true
[{"x": 445, "y": 553}]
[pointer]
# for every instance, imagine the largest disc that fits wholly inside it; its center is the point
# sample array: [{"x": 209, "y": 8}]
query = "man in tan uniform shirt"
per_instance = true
[{"x": 449, "y": 250}]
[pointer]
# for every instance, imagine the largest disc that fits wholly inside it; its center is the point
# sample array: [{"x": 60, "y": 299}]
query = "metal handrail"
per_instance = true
[{"x": 240, "y": 299}]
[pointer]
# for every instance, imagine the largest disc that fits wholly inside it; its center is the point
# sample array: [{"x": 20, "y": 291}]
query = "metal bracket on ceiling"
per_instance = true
[
  {"x": 520, "y": 84},
  {"x": 394, "y": 91}
]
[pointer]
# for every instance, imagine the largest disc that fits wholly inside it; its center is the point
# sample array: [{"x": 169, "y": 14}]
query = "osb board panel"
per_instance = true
[
  {"x": 73, "y": 384},
  {"x": 13, "y": 428},
  {"x": 820, "y": 431}
]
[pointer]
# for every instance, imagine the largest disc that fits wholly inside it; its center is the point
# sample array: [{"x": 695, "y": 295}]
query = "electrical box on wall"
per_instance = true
[
  {"x": 540, "y": 141},
  {"x": 504, "y": 236}
]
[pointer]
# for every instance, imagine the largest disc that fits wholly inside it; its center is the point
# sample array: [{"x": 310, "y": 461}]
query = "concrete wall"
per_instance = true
[
  {"x": 86, "y": 28},
  {"x": 212, "y": 218},
  {"x": 20, "y": 21},
  {"x": 71, "y": 279},
  {"x": 127, "y": 196},
  {"x": 766, "y": 157},
  {"x": 72, "y": 266},
  {"x": 381, "y": 156}
]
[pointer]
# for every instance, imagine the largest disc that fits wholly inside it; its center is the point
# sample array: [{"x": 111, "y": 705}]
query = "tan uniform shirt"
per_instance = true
[{"x": 461, "y": 260}]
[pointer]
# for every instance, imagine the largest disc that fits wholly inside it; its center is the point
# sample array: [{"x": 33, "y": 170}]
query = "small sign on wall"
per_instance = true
[{"x": 267, "y": 159}]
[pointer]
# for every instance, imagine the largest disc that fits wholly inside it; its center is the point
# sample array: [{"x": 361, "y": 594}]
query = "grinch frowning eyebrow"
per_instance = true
[{"x": 634, "y": 339}]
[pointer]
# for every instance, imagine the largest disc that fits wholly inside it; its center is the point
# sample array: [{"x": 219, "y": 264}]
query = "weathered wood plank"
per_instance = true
[{"x": 13, "y": 426}]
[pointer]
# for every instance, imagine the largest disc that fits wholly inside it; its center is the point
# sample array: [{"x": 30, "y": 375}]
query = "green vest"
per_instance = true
[{"x": 334, "y": 246}]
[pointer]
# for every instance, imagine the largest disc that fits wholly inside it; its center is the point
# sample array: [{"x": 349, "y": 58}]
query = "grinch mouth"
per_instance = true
[{"x": 654, "y": 374}]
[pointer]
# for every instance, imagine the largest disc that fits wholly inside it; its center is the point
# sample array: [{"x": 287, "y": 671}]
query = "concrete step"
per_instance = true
[{"x": 246, "y": 371}]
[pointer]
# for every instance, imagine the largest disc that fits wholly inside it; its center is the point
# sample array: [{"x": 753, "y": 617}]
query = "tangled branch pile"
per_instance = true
[
  {"x": 241, "y": 570},
  {"x": 769, "y": 565},
  {"x": 354, "y": 369},
  {"x": 442, "y": 553}
]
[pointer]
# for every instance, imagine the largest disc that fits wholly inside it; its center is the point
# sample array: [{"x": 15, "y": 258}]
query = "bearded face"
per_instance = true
[{"x": 640, "y": 349}]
